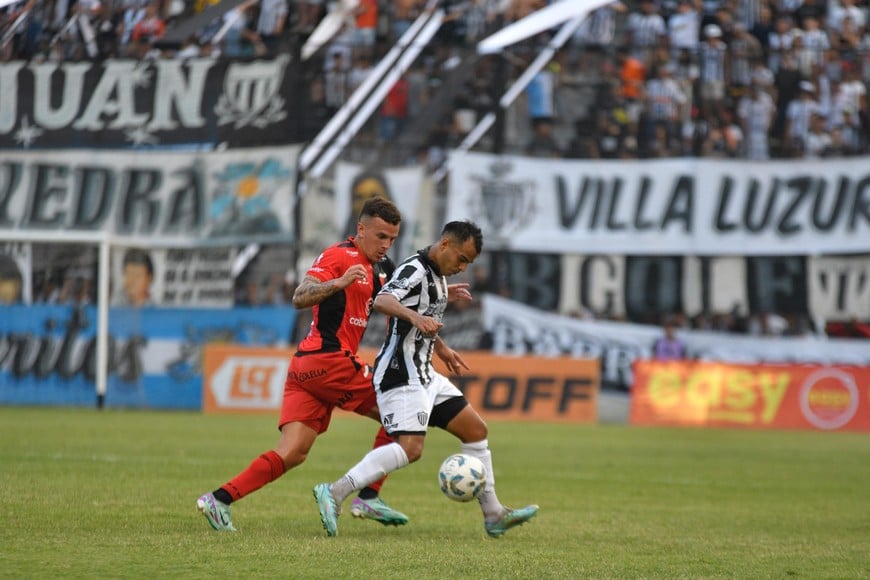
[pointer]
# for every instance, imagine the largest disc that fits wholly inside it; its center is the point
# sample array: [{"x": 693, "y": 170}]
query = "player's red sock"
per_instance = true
[
  {"x": 265, "y": 469},
  {"x": 380, "y": 439}
]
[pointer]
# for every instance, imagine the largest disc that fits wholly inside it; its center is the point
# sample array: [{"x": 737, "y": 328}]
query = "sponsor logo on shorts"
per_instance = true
[
  {"x": 388, "y": 422},
  {"x": 354, "y": 321},
  {"x": 301, "y": 377}
]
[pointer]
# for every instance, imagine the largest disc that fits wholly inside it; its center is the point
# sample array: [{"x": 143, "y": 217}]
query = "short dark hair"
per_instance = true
[
  {"x": 140, "y": 258},
  {"x": 464, "y": 230},
  {"x": 383, "y": 208}
]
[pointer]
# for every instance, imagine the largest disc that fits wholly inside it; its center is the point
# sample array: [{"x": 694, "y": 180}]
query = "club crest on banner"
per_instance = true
[
  {"x": 504, "y": 206},
  {"x": 251, "y": 95}
]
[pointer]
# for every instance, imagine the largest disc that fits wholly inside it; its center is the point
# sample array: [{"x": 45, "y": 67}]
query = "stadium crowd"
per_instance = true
[{"x": 751, "y": 79}]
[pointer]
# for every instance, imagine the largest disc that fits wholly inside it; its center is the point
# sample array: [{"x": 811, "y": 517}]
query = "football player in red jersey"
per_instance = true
[{"x": 325, "y": 372}]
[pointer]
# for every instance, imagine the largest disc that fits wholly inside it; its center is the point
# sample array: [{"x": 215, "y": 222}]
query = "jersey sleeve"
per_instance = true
[
  {"x": 328, "y": 266},
  {"x": 405, "y": 283}
]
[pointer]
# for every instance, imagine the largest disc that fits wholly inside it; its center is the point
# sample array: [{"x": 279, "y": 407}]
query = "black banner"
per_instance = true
[
  {"x": 128, "y": 103},
  {"x": 642, "y": 288}
]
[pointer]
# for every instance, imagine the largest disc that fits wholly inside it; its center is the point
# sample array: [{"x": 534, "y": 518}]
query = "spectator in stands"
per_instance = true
[
  {"x": 814, "y": 46},
  {"x": 543, "y": 143},
  {"x": 846, "y": 24},
  {"x": 818, "y": 140},
  {"x": 541, "y": 94},
  {"x": 780, "y": 42},
  {"x": 787, "y": 80},
  {"x": 404, "y": 13},
  {"x": 150, "y": 27},
  {"x": 762, "y": 29},
  {"x": 394, "y": 111},
  {"x": 810, "y": 9},
  {"x": 337, "y": 81},
  {"x": 744, "y": 50},
  {"x": 669, "y": 347},
  {"x": 133, "y": 13},
  {"x": 241, "y": 39},
  {"x": 270, "y": 25},
  {"x": 663, "y": 103},
  {"x": 684, "y": 26},
  {"x": 365, "y": 27},
  {"x": 632, "y": 76},
  {"x": 583, "y": 145},
  {"x": 645, "y": 30},
  {"x": 713, "y": 64},
  {"x": 757, "y": 112},
  {"x": 798, "y": 116}
]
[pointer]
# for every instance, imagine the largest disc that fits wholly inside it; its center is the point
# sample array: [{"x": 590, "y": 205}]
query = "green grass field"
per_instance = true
[{"x": 111, "y": 494}]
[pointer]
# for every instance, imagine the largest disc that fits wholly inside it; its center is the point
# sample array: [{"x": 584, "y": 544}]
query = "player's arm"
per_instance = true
[
  {"x": 455, "y": 363},
  {"x": 388, "y": 304},
  {"x": 312, "y": 291}
]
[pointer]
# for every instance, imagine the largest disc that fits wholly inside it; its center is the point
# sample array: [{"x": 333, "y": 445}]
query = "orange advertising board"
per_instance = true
[
  {"x": 541, "y": 389},
  {"x": 243, "y": 379},
  {"x": 695, "y": 393}
]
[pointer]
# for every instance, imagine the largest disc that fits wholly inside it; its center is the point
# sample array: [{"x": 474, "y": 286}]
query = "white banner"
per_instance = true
[
  {"x": 839, "y": 288},
  {"x": 355, "y": 183},
  {"x": 192, "y": 277},
  {"x": 517, "y": 329},
  {"x": 674, "y": 207},
  {"x": 159, "y": 198}
]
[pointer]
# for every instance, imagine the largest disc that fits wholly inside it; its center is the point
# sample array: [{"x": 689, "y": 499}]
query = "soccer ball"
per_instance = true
[{"x": 462, "y": 477}]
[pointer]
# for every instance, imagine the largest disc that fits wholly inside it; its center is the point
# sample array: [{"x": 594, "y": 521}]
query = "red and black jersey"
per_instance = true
[{"x": 340, "y": 321}]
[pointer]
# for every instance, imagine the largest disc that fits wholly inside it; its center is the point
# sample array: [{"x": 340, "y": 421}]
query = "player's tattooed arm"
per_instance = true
[{"x": 312, "y": 291}]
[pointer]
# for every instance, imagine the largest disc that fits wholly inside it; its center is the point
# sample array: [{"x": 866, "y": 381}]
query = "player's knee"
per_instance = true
[
  {"x": 293, "y": 458},
  {"x": 477, "y": 432},
  {"x": 413, "y": 450}
]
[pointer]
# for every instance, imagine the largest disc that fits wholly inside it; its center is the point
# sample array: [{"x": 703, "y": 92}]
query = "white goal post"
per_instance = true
[{"x": 103, "y": 242}]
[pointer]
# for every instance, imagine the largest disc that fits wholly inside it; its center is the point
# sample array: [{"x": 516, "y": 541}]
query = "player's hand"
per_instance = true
[
  {"x": 454, "y": 361},
  {"x": 351, "y": 275},
  {"x": 427, "y": 326},
  {"x": 458, "y": 292}
]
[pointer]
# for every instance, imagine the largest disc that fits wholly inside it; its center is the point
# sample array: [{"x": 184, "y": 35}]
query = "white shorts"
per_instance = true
[{"x": 407, "y": 409}]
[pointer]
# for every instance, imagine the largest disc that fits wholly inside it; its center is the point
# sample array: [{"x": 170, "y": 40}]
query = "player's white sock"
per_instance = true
[
  {"x": 492, "y": 508},
  {"x": 377, "y": 463}
]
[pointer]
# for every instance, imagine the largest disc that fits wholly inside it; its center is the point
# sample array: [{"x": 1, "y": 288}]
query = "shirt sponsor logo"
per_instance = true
[
  {"x": 361, "y": 322},
  {"x": 303, "y": 376}
]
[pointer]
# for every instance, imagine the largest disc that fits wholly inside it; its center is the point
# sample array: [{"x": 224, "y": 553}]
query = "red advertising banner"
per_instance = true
[
  {"x": 710, "y": 394},
  {"x": 240, "y": 379}
]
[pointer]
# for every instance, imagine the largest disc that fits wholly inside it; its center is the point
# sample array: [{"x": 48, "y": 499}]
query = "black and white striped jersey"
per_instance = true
[{"x": 406, "y": 356}]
